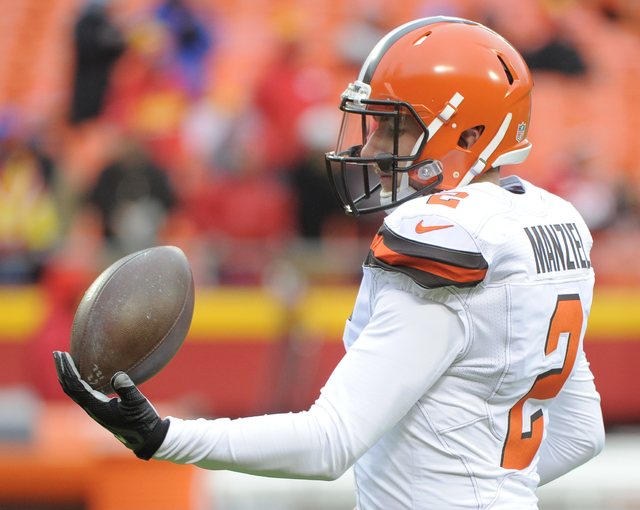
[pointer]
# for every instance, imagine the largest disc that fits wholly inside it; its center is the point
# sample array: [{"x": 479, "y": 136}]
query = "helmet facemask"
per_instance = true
[{"x": 379, "y": 147}]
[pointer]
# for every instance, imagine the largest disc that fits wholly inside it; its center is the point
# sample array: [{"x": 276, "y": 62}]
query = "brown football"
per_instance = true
[{"x": 134, "y": 317}]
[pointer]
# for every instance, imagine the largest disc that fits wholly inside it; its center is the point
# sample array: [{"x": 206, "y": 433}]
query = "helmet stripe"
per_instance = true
[
  {"x": 372, "y": 61},
  {"x": 445, "y": 115},
  {"x": 479, "y": 166}
]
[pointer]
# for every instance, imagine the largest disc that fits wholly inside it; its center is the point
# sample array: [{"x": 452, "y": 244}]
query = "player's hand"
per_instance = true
[{"x": 130, "y": 416}]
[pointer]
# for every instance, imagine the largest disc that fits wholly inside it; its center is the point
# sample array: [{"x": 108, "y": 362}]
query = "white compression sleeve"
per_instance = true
[
  {"x": 575, "y": 433},
  {"x": 407, "y": 345}
]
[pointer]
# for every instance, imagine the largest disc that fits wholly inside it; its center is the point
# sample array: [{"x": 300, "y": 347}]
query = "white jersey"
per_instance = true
[
  {"x": 514, "y": 266},
  {"x": 464, "y": 384}
]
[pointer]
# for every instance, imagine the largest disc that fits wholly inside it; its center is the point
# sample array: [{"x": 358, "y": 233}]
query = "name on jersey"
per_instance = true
[{"x": 557, "y": 247}]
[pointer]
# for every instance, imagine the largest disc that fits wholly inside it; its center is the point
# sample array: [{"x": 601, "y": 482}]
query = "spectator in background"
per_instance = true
[
  {"x": 316, "y": 201},
  {"x": 192, "y": 43},
  {"x": 29, "y": 220},
  {"x": 133, "y": 196},
  {"x": 319, "y": 214},
  {"x": 627, "y": 206},
  {"x": 539, "y": 37},
  {"x": 582, "y": 184},
  {"x": 556, "y": 55},
  {"x": 159, "y": 79},
  {"x": 280, "y": 98},
  {"x": 98, "y": 45}
]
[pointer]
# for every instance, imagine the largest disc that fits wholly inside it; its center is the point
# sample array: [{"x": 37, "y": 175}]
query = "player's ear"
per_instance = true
[{"x": 469, "y": 137}]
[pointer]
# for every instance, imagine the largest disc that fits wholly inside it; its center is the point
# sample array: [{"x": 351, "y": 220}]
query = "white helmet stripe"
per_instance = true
[
  {"x": 481, "y": 163},
  {"x": 445, "y": 115}
]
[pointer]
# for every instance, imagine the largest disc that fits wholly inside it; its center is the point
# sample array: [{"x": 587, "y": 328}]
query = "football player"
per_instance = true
[{"x": 464, "y": 384}]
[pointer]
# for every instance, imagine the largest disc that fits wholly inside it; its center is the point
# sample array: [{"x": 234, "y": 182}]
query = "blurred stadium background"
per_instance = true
[{"x": 202, "y": 124}]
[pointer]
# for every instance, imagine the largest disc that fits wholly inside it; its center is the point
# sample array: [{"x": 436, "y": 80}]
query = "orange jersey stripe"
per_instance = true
[{"x": 457, "y": 274}]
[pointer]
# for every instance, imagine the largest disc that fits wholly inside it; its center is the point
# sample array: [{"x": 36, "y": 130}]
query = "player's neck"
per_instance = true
[{"x": 492, "y": 175}]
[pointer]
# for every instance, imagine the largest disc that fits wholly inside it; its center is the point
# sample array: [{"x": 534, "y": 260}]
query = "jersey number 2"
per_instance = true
[{"x": 520, "y": 447}]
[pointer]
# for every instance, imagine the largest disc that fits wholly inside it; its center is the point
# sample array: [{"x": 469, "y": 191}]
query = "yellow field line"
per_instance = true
[{"x": 241, "y": 313}]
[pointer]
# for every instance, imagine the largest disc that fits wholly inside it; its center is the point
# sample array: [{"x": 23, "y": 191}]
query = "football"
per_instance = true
[{"x": 134, "y": 317}]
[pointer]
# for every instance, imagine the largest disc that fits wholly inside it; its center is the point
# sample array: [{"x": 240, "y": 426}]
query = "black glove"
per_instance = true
[{"x": 131, "y": 417}]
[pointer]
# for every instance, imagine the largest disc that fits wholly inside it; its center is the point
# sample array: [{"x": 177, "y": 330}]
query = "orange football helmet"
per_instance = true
[{"x": 442, "y": 75}]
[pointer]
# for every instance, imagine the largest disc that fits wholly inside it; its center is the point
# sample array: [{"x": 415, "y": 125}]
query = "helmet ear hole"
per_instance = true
[{"x": 469, "y": 137}]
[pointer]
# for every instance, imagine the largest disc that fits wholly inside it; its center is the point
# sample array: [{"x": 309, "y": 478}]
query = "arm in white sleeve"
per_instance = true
[
  {"x": 575, "y": 433},
  {"x": 407, "y": 345}
]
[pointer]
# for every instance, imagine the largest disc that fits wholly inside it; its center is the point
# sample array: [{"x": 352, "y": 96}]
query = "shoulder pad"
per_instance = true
[
  {"x": 430, "y": 244},
  {"x": 433, "y": 250}
]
